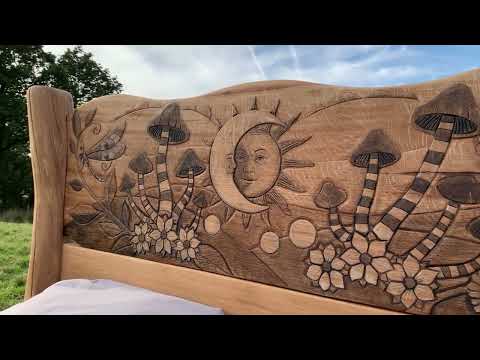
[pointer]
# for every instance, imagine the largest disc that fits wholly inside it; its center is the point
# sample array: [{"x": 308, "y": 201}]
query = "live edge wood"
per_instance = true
[
  {"x": 48, "y": 110},
  {"x": 234, "y": 296}
]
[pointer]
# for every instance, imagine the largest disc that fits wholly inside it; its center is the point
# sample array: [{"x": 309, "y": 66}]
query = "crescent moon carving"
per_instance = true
[{"x": 223, "y": 147}]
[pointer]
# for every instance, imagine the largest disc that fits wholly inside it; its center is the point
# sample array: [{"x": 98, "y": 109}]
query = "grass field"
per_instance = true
[{"x": 14, "y": 252}]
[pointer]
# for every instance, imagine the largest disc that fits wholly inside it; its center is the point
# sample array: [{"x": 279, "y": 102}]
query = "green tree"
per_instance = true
[{"x": 21, "y": 67}]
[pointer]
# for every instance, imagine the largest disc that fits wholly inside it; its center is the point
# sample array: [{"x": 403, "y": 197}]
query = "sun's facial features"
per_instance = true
[{"x": 258, "y": 162}]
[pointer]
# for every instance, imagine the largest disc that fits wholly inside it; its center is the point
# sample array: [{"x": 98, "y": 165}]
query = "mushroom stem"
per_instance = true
[
  {"x": 455, "y": 271},
  {"x": 337, "y": 227},
  {"x": 388, "y": 225},
  {"x": 143, "y": 198},
  {"x": 137, "y": 211},
  {"x": 365, "y": 203},
  {"x": 196, "y": 220},
  {"x": 430, "y": 241},
  {"x": 164, "y": 190},
  {"x": 184, "y": 200}
]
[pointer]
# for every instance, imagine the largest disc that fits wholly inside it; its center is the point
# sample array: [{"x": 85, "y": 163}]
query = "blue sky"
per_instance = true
[{"x": 167, "y": 71}]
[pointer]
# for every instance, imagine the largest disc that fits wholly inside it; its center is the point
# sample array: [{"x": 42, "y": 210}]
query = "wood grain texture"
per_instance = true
[
  {"x": 340, "y": 192},
  {"x": 48, "y": 111},
  {"x": 242, "y": 297}
]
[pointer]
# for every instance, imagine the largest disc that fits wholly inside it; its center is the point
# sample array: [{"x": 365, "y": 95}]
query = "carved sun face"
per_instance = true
[{"x": 258, "y": 163}]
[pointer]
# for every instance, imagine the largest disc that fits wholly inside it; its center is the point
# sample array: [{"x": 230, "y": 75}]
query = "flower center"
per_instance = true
[
  {"x": 326, "y": 266},
  {"x": 141, "y": 238},
  {"x": 410, "y": 283},
  {"x": 163, "y": 234},
  {"x": 186, "y": 244},
  {"x": 365, "y": 259}
]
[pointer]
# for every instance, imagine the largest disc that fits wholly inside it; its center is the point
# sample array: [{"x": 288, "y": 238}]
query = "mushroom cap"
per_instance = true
[
  {"x": 127, "y": 183},
  {"x": 455, "y": 104},
  {"x": 141, "y": 164},
  {"x": 202, "y": 199},
  {"x": 329, "y": 196},
  {"x": 169, "y": 119},
  {"x": 376, "y": 142},
  {"x": 189, "y": 161},
  {"x": 474, "y": 227},
  {"x": 463, "y": 189}
]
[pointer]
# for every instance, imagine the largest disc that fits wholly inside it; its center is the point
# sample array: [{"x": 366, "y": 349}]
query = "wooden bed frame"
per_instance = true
[{"x": 276, "y": 197}]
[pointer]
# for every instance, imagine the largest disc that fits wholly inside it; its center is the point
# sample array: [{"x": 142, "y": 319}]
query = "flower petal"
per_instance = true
[
  {"x": 144, "y": 228},
  {"x": 381, "y": 264},
  {"x": 135, "y": 239},
  {"x": 351, "y": 256},
  {"x": 190, "y": 234},
  {"x": 159, "y": 246},
  {"x": 168, "y": 246},
  {"x": 336, "y": 278},
  {"x": 184, "y": 254},
  {"x": 329, "y": 253},
  {"x": 397, "y": 274},
  {"x": 411, "y": 266},
  {"x": 395, "y": 288},
  {"x": 160, "y": 224},
  {"x": 356, "y": 272},
  {"x": 194, "y": 243},
  {"x": 172, "y": 236},
  {"x": 426, "y": 277},
  {"x": 371, "y": 276},
  {"x": 183, "y": 234},
  {"x": 155, "y": 234},
  {"x": 138, "y": 230},
  {"x": 168, "y": 224},
  {"x": 424, "y": 292},
  {"x": 338, "y": 264},
  {"x": 316, "y": 257},
  {"x": 314, "y": 272},
  {"x": 377, "y": 248},
  {"x": 179, "y": 245},
  {"x": 139, "y": 248},
  {"x": 146, "y": 247},
  {"x": 324, "y": 281},
  {"x": 191, "y": 253},
  {"x": 360, "y": 243},
  {"x": 408, "y": 298}
]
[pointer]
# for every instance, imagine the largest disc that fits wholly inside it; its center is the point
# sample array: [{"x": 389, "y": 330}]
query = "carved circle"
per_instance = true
[
  {"x": 212, "y": 224},
  {"x": 302, "y": 233},
  {"x": 269, "y": 242}
]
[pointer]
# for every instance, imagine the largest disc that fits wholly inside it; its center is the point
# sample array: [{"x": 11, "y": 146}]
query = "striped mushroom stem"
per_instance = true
[
  {"x": 451, "y": 114},
  {"x": 430, "y": 241},
  {"x": 126, "y": 186},
  {"x": 362, "y": 211},
  {"x": 196, "y": 220},
  {"x": 337, "y": 227},
  {"x": 142, "y": 165},
  {"x": 167, "y": 128},
  {"x": 184, "y": 200},
  {"x": 458, "y": 270},
  {"x": 164, "y": 190}
]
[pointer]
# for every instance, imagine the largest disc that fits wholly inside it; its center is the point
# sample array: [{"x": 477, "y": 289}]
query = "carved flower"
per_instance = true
[
  {"x": 187, "y": 244},
  {"x": 141, "y": 240},
  {"x": 367, "y": 260},
  {"x": 163, "y": 235},
  {"x": 410, "y": 283},
  {"x": 325, "y": 269}
]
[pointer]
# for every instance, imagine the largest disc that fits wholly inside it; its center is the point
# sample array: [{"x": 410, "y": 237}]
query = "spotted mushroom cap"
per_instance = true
[
  {"x": 376, "y": 142},
  {"x": 463, "y": 189},
  {"x": 189, "y": 161},
  {"x": 170, "y": 119},
  {"x": 455, "y": 104}
]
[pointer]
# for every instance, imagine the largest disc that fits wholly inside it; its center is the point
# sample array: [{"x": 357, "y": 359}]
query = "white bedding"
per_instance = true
[{"x": 105, "y": 297}]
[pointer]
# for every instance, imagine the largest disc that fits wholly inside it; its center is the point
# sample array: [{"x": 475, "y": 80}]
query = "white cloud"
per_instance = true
[{"x": 168, "y": 72}]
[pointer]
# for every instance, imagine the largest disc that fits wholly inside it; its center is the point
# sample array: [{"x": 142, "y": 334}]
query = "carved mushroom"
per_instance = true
[
  {"x": 126, "y": 186},
  {"x": 376, "y": 151},
  {"x": 141, "y": 165},
  {"x": 189, "y": 167},
  {"x": 330, "y": 197},
  {"x": 166, "y": 128},
  {"x": 451, "y": 114}
]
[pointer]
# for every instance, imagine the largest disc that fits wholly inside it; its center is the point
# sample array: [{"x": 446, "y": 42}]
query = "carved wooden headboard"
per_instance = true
[{"x": 300, "y": 197}]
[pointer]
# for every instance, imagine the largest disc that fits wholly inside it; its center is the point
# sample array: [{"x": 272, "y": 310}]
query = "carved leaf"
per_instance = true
[
  {"x": 109, "y": 140},
  {"x": 110, "y": 229},
  {"x": 209, "y": 259},
  {"x": 110, "y": 186},
  {"x": 110, "y": 154},
  {"x": 85, "y": 214},
  {"x": 125, "y": 217},
  {"x": 76, "y": 185},
  {"x": 122, "y": 242}
]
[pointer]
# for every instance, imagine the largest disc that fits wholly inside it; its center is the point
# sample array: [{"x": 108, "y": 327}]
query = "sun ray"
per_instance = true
[
  {"x": 286, "y": 146},
  {"x": 252, "y": 103},
  {"x": 228, "y": 213},
  {"x": 246, "y": 220},
  {"x": 274, "y": 111},
  {"x": 265, "y": 215},
  {"x": 294, "y": 163},
  {"x": 234, "y": 110},
  {"x": 275, "y": 198},
  {"x": 288, "y": 183},
  {"x": 280, "y": 130}
]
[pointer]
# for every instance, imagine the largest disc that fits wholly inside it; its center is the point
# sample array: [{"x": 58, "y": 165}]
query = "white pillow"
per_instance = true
[{"x": 105, "y": 297}]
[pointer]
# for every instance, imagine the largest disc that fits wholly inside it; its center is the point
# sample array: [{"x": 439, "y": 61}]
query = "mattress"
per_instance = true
[{"x": 106, "y": 297}]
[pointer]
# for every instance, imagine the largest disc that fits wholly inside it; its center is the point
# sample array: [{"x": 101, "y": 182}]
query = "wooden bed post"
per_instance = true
[{"x": 48, "y": 111}]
